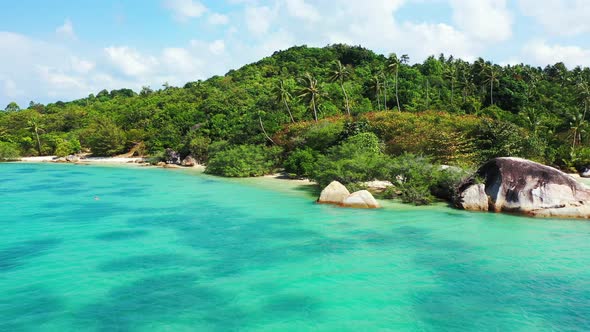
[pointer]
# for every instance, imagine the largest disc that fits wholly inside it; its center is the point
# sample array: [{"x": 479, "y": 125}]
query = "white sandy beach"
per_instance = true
[
  {"x": 98, "y": 160},
  {"x": 113, "y": 161}
]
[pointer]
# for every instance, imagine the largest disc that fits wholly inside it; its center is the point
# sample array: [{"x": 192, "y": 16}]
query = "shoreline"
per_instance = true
[
  {"x": 88, "y": 160},
  {"x": 277, "y": 182}
]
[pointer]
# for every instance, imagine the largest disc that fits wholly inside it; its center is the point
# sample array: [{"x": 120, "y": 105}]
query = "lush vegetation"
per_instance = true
[{"x": 337, "y": 112}]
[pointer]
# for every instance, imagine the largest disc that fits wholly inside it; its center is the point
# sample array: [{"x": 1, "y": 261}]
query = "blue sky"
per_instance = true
[{"x": 65, "y": 49}]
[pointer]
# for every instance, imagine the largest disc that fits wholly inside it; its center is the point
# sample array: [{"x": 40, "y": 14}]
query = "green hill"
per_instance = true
[{"x": 298, "y": 100}]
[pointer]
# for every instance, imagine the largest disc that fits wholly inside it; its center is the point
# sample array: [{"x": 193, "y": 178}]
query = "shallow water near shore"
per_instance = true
[{"x": 140, "y": 249}]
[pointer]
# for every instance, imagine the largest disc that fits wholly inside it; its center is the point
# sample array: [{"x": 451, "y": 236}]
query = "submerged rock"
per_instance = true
[
  {"x": 361, "y": 199},
  {"x": 189, "y": 161},
  {"x": 334, "y": 193},
  {"x": 526, "y": 187}
]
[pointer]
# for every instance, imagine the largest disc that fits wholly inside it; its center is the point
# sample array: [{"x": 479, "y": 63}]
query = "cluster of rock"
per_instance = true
[
  {"x": 336, "y": 193},
  {"x": 522, "y": 186},
  {"x": 68, "y": 159},
  {"x": 172, "y": 157},
  {"x": 173, "y": 160},
  {"x": 377, "y": 186}
]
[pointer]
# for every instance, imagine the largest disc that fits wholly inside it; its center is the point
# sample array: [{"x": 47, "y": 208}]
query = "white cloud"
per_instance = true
[
  {"x": 81, "y": 66},
  {"x": 130, "y": 61},
  {"x": 218, "y": 19},
  {"x": 10, "y": 90},
  {"x": 66, "y": 30},
  {"x": 247, "y": 30},
  {"x": 486, "y": 20},
  {"x": 433, "y": 39},
  {"x": 559, "y": 17},
  {"x": 258, "y": 19},
  {"x": 280, "y": 40},
  {"x": 302, "y": 10},
  {"x": 217, "y": 47},
  {"x": 185, "y": 9},
  {"x": 541, "y": 53},
  {"x": 370, "y": 19},
  {"x": 372, "y": 24},
  {"x": 19, "y": 74},
  {"x": 59, "y": 79},
  {"x": 180, "y": 60},
  {"x": 47, "y": 72}
]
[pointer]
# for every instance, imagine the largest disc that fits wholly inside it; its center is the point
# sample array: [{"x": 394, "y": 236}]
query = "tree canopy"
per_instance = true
[{"x": 474, "y": 110}]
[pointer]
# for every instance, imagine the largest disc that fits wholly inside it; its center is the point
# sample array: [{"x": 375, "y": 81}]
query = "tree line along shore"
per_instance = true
[{"x": 339, "y": 113}]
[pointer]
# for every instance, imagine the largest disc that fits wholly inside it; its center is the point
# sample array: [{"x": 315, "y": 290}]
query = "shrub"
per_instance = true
[
  {"x": 63, "y": 148},
  {"x": 446, "y": 182},
  {"x": 420, "y": 181},
  {"x": 363, "y": 142},
  {"x": 105, "y": 138},
  {"x": 575, "y": 159},
  {"x": 357, "y": 159},
  {"x": 198, "y": 147},
  {"x": 244, "y": 160},
  {"x": 156, "y": 157},
  {"x": 503, "y": 139},
  {"x": 413, "y": 176},
  {"x": 323, "y": 135},
  {"x": 444, "y": 137},
  {"x": 300, "y": 162},
  {"x": 416, "y": 193},
  {"x": 8, "y": 151},
  {"x": 217, "y": 147},
  {"x": 354, "y": 128}
]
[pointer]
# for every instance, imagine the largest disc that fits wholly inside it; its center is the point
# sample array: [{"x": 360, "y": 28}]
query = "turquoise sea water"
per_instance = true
[{"x": 163, "y": 250}]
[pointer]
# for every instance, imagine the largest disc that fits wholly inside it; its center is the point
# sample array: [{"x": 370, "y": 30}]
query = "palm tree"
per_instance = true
[
  {"x": 427, "y": 94},
  {"x": 393, "y": 65},
  {"x": 264, "y": 130},
  {"x": 340, "y": 74},
  {"x": 577, "y": 125},
  {"x": 404, "y": 59},
  {"x": 579, "y": 120},
  {"x": 284, "y": 96},
  {"x": 376, "y": 86},
  {"x": 310, "y": 90},
  {"x": 33, "y": 126},
  {"x": 491, "y": 74},
  {"x": 465, "y": 81},
  {"x": 531, "y": 78},
  {"x": 383, "y": 74},
  {"x": 451, "y": 75}
]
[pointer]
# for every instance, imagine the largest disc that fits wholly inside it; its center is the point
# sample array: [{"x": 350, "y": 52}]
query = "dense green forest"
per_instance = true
[{"x": 338, "y": 112}]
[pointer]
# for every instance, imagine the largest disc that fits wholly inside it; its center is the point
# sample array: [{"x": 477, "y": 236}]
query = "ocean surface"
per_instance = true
[{"x": 97, "y": 248}]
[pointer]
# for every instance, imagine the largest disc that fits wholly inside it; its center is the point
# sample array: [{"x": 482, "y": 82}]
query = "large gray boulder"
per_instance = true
[
  {"x": 334, "y": 193},
  {"x": 360, "y": 199},
  {"x": 189, "y": 161},
  {"x": 474, "y": 198},
  {"x": 523, "y": 186}
]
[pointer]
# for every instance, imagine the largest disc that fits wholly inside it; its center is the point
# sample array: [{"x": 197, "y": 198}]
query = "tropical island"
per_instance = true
[{"x": 339, "y": 113}]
